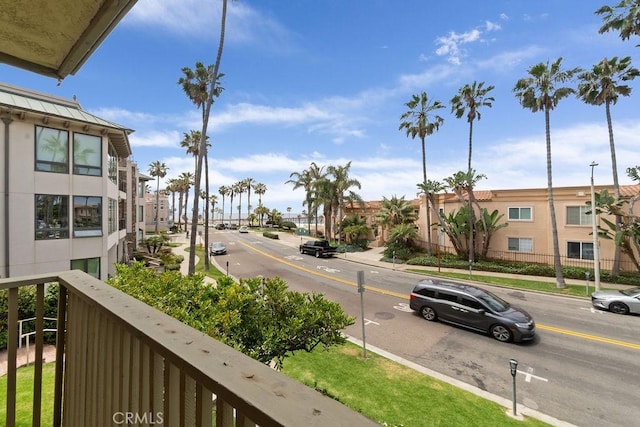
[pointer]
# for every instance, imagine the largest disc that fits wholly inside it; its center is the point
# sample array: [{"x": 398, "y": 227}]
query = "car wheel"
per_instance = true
[
  {"x": 501, "y": 333},
  {"x": 429, "y": 313},
  {"x": 317, "y": 254},
  {"x": 301, "y": 251},
  {"x": 619, "y": 308}
]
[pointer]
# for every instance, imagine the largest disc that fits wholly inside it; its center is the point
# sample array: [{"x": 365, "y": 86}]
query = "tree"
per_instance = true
[
  {"x": 422, "y": 121},
  {"x": 248, "y": 185},
  {"x": 342, "y": 190},
  {"x": 224, "y": 191},
  {"x": 187, "y": 182},
  {"x": 303, "y": 180},
  {"x": 601, "y": 86},
  {"x": 259, "y": 317},
  {"x": 538, "y": 92},
  {"x": 158, "y": 170},
  {"x": 462, "y": 184},
  {"x": 469, "y": 99},
  {"x": 173, "y": 188},
  {"x": 260, "y": 189},
  {"x": 395, "y": 211},
  {"x": 238, "y": 188},
  {"x": 201, "y": 86},
  {"x": 623, "y": 17}
]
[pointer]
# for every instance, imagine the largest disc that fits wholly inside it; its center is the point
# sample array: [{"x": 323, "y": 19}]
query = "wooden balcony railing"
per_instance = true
[{"x": 121, "y": 362}]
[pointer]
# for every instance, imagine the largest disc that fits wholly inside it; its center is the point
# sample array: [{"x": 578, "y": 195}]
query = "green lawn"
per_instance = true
[
  {"x": 393, "y": 394},
  {"x": 24, "y": 396}
]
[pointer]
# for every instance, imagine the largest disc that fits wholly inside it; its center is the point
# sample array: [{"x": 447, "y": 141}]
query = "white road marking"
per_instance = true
[
  {"x": 370, "y": 322},
  {"x": 529, "y": 375},
  {"x": 403, "y": 306},
  {"x": 327, "y": 269}
]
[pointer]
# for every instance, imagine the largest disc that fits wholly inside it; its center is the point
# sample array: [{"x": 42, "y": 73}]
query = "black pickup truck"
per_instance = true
[{"x": 319, "y": 248}]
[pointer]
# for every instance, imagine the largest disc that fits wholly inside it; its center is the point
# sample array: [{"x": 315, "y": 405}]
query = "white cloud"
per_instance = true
[
  {"x": 451, "y": 45},
  {"x": 158, "y": 139},
  {"x": 201, "y": 21},
  {"x": 492, "y": 26}
]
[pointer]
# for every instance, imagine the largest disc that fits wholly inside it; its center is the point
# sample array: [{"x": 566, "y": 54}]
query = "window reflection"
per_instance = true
[
  {"x": 52, "y": 150},
  {"x": 52, "y": 217},
  {"x": 87, "y": 216}
]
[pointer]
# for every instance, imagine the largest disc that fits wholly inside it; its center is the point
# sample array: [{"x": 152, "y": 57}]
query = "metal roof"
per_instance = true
[
  {"x": 27, "y": 102},
  {"x": 55, "y": 38}
]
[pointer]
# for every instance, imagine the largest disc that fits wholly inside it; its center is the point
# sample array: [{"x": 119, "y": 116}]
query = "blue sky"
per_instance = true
[{"x": 327, "y": 80}]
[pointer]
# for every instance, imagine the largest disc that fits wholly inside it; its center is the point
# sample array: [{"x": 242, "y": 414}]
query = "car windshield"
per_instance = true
[
  {"x": 631, "y": 292},
  {"x": 217, "y": 245},
  {"x": 494, "y": 302}
]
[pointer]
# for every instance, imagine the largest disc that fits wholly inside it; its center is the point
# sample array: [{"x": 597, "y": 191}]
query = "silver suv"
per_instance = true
[{"x": 473, "y": 308}]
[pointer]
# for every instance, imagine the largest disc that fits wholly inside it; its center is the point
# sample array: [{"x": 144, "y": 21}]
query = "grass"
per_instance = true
[
  {"x": 529, "y": 285},
  {"x": 24, "y": 395},
  {"x": 393, "y": 394}
]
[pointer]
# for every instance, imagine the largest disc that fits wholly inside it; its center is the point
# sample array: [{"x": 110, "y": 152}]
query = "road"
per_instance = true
[{"x": 582, "y": 368}]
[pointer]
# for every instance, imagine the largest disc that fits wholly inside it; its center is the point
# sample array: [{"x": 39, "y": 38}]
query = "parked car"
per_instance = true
[
  {"x": 217, "y": 248},
  {"x": 472, "y": 308},
  {"x": 623, "y": 301},
  {"x": 243, "y": 229},
  {"x": 232, "y": 226},
  {"x": 220, "y": 226}
]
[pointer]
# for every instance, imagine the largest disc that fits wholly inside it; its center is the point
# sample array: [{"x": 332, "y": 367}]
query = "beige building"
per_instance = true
[
  {"x": 69, "y": 191},
  {"x": 164, "y": 214},
  {"x": 527, "y": 236}
]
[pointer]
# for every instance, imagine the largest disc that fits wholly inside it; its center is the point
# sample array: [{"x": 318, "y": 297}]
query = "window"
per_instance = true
[
  {"x": 447, "y": 297},
  {"x": 579, "y": 250},
  {"x": 87, "y": 216},
  {"x": 520, "y": 244},
  {"x": 88, "y": 265},
  {"x": 466, "y": 301},
  {"x": 519, "y": 214},
  {"x": 52, "y": 217},
  {"x": 577, "y": 215},
  {"x": 52, "y": 150},
  {"x": 112, "y": 164},
  {"x": 427, "y": 293},
  {"x": 111, "y": 217},
  {"x": 87, "y": 154}
]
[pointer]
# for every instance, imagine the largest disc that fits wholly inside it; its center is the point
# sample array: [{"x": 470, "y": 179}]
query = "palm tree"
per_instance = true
[
  {"x": 248, "y": 183},
  {"x": 303, "y": 180},
  {"x": 201, "y": 87},
  {"x": 395, "y": 211},
  {"x": 159, "y": 170},
  {"x": 187, "y": 182},
  {"x": 223, "y": 191},
  {"x": 213, "y": 199},
  {"x": 462, "y": 184},
  {"x": 342, "y": 190},
  {"x": 623, "y": 17},
  {"x": 238, "y": 188},
  {"x": 172, "y": 187},
  {"x": 601, "y": 85},
  {"x": 259, "y": 188},
  {"x": 231, "y": 193},
  {"x": 469, "y": 99},
  {"x": 421, "y": 121},
  {"x": 538, "y": 92}
]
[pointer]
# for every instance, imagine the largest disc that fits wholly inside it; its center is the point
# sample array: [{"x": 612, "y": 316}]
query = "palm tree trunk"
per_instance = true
[
  {"x": 157, "y": 202},
  {"x": 206, "y": 209},
  {"x": 615, "y": 268},
  {"x": 552, "y": 211},
  {"x": 424, "y": 180}
]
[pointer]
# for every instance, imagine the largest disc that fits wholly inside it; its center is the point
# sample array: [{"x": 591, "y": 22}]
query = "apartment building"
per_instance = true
[
  {"x": 70, "y": 193},
  {"x": 528, "y": 230},
  {"x": 164, "y": 213}
]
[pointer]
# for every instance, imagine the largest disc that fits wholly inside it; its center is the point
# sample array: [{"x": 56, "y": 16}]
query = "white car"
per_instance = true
[
  {"x": 623, "y": 301},
  {"x": 243, "y": 229}
]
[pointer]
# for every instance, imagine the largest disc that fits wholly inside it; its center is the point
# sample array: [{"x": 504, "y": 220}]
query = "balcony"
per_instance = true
[{"x": 116, "y": 356}]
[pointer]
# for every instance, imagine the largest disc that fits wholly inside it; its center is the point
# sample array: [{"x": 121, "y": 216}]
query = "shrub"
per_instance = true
[
  {"x": 270, "y": 235},
  {"x": 288, "y": 225}
]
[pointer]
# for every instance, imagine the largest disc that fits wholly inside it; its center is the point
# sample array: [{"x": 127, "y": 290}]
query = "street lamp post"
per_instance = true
[
  {"x": 513, "y": 365},
  {"x": 596, "y": 249}
]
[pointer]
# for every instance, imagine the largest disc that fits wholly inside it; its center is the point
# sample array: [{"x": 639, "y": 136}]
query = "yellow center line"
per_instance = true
[
  {"x": 588, "y": 336},
  {"x": 326, "y": 276},
  {"x": 403, "y": 296}
]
